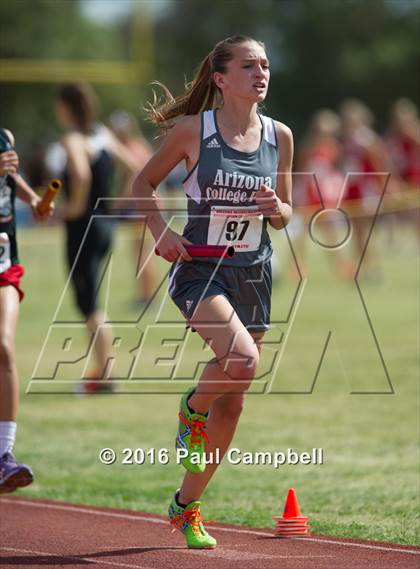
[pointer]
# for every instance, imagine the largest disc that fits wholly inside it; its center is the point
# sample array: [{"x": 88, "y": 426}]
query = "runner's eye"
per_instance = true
[{"x": 249, "y": 65}]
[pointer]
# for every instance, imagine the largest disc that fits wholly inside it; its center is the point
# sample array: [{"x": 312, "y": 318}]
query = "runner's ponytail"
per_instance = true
[{"x": 201, "y": 93}]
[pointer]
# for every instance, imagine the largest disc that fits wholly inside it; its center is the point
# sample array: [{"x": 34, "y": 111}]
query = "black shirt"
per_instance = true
[{"x": 8, "y": 219}]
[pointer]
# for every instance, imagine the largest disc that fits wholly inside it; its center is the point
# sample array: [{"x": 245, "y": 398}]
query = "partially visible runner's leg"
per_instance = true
[
  {"x": 231, "y": 371},
  {"x": 220, "y": 393},
  {"x": 12, "y": 474},
  {"x": 221, "y": 426}
]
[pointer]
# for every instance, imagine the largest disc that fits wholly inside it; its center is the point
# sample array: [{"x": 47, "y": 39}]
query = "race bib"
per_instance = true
[
  {"x": 237, "y": 226},
  {"x": 5, "y": 262}
]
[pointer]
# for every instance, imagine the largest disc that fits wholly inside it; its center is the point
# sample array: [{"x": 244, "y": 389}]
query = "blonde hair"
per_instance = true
[
  {"x": 201, "y": 93},
  {"x": 325, "y": 122},
  {"x": 353, "y": 108},
  {"x": 405, "y": 108}
]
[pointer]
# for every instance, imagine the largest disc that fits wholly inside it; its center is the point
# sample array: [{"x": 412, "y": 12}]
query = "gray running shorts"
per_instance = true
[{"x": 248, "y": 289}]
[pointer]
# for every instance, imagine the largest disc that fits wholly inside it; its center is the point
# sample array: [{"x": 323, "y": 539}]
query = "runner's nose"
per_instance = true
[{"x": 260, "y": 72}]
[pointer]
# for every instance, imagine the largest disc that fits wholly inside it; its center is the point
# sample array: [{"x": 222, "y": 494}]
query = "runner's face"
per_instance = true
[
  {"x": 63, "y": 114},
  {"x": 247, "y": 73}
]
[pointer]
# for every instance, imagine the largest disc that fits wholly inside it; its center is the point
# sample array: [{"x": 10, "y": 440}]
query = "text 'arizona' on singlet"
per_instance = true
[
  {"x": 8, "y": 244},
  {"x": 221, "y": 191}
]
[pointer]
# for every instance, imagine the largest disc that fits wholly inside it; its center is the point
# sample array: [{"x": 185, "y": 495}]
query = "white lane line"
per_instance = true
[
  {"x": 60, "y": 556},
  {"x": 152, "y": 520},
  {"x": 220, "y": 553},
  {"x": 233, "y": 555},
  {"x": 365, "y": 545}
]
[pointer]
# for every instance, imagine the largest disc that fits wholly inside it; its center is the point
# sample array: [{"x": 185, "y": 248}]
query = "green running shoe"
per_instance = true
[
  {"x": 189, "y": 521},
  {"x": 191, "y": 436}
]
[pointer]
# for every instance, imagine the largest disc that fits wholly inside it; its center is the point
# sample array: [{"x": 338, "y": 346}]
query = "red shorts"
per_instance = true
[{"x": 12, "y": 277}]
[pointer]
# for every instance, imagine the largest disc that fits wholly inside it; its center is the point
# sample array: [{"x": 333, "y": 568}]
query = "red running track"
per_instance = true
[{"x": 58, "y": 535}]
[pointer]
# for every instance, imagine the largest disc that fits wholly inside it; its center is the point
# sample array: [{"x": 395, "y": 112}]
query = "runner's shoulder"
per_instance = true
[
  {"x": 186, "y": 131},
  {"x": 72, "y": 140},
  {"x": 283, "y": 132},
  {"x": 188, "y": 125}
]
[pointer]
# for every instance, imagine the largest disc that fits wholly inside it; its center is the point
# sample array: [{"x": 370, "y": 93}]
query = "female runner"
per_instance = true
[
  {"x": 13, "y": 475},
  {"x": 366, "y": 161},
  {"x": 403, "y": 142},
  {"x": 320, "y": 155},
  {"x": 90, "y": 152},
  {"x": 239, "y": 180}
]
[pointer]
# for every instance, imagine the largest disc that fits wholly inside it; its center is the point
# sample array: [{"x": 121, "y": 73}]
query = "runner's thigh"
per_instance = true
[{"x": 219, "y": 325}]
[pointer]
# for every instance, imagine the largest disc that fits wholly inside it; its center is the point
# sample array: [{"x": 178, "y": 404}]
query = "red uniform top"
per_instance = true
[
  {"x": 357, "y": 163},
  {"x": 405, "y": 154},
  {"x": 322, "y": 160}
]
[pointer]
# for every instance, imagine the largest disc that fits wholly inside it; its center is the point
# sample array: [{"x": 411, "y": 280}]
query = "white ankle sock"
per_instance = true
[{"x": 7, "y": 436}]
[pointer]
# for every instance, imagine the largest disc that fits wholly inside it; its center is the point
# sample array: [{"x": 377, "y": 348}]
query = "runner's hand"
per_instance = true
[
  {"x": 267, "y": 201},
  {"x": 9, "y": 163},
  {"x": 171, "y": 246},
  {"x": 35, "y": 212}
]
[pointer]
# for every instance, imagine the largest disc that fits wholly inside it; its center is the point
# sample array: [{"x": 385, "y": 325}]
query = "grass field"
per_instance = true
[{"x": 368, "y": 486}]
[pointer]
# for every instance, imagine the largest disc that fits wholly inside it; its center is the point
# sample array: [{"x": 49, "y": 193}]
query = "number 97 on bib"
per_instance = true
[{"x": 238, "y": 226}]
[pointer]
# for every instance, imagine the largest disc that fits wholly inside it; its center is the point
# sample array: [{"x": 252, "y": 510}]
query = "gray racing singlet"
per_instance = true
[{"x": 221, "y": 192}]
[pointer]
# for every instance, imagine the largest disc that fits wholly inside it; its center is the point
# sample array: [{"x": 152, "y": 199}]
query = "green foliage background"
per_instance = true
[{"x": 321, "y": 52}]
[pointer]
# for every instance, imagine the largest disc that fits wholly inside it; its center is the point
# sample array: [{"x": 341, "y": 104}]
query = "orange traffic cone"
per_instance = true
[{"x": 292, "y": 523}]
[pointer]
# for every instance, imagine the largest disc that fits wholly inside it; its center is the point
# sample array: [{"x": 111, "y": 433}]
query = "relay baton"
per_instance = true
[
  {"x": 208, "y": 251},
  {"x": 53, "y": 188}
]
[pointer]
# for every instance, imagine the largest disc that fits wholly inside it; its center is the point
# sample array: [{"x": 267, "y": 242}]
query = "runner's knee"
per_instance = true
[
  {"x": 7, "y": 356},
  {"x": 242, "y": 364}
]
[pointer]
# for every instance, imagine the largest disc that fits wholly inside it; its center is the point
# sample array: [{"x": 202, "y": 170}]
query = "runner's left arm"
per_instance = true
[
  {"x": 276, "y": 205},
  {"x": 25, "y": 193},
  {"x": 123, "y": 157},
  {"x": 284, "y": 177}
]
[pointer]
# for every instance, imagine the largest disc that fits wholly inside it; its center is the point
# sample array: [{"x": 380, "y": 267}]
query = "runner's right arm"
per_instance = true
[{"x": 175, "y": 147}]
